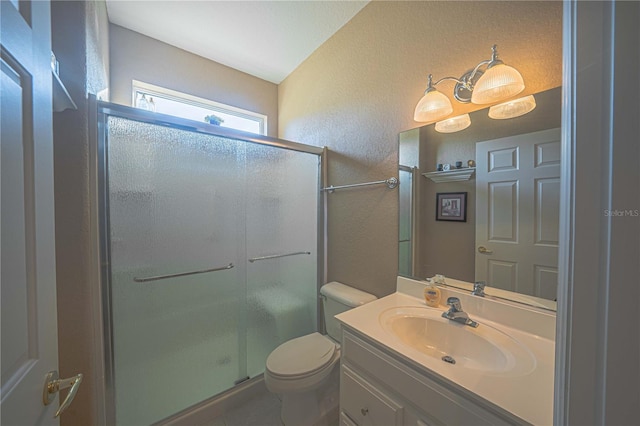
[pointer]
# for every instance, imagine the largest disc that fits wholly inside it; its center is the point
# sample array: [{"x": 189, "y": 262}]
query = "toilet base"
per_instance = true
[{"x": 318, "y": 407}]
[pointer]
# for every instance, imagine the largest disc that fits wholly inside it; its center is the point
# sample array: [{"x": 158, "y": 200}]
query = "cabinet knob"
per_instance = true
[{"x": 364, "y": 411}]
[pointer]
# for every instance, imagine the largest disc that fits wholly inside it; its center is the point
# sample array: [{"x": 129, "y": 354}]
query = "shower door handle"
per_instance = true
[{"x": 182, "y": 274}]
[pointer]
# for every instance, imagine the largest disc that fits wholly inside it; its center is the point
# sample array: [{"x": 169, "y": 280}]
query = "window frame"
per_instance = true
[{"x": 176, "y": 96}]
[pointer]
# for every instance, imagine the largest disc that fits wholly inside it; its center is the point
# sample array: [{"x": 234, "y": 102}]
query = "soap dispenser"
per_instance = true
[{"x": 431, "y": 294}]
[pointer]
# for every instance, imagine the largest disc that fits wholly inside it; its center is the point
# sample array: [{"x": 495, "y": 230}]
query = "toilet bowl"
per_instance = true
[
  {"x": 301, "y": 364},
  {"x": 305, "y": 370}
]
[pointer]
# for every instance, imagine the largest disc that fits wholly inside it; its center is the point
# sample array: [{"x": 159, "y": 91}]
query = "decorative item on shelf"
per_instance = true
[
  {"x": 495, "y": 83},
  {"x": 214, "y": 119},
  {"x": 446, "y": 167},
  {"x": 439, "y": 167},
  {"x": 451, "y": 206},
  {"x": 458, "y": 164},
  {"x": 471, "y": 163}
]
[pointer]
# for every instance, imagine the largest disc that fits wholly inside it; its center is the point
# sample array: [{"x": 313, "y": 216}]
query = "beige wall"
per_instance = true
[
  {"x": 80, "y": 42},
  {"x": 448, "y": 248},
  {"x": 138, "y": 57},
  {"x": 357, "y": 91}
]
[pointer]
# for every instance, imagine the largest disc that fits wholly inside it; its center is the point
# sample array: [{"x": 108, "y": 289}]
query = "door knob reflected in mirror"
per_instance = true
[{"x": 484, "y": 250}]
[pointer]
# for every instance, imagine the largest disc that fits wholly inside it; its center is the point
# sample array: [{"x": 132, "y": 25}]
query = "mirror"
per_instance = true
[{"x": 509, "y": 236}]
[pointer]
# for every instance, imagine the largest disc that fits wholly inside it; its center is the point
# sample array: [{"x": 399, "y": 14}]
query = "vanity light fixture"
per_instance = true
[
  {"x": 453, "y": 124},
  {"x": 433, "y": 106},
  {"x": 511, "y": 109},
  {"x": 496, "y": 83}
]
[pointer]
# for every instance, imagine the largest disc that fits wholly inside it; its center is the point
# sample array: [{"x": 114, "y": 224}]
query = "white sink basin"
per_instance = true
[{"x": 484, "y": 348}]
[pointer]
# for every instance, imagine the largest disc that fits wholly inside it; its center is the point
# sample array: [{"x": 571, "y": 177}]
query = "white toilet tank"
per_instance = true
[{"x": 338, "y": 298}]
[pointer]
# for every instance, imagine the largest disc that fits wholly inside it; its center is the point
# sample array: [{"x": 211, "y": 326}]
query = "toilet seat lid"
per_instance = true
[{"x": 301, "y": 356}]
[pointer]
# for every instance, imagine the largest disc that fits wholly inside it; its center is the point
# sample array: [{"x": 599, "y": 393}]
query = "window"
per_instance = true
[{"x": 166, "y": 101}]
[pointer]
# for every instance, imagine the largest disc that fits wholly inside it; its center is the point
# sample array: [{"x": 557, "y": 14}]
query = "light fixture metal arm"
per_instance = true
[
  {"x": 475, "y": 70},
  {"x": 468, "y": 79},
  {"x": 448, "y": 78},
  {"x": 490, "y": 62}
]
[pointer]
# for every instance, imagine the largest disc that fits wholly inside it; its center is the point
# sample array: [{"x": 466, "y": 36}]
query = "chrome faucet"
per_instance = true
[
  {"x": 455, "y": 313},
  {"x": 478, "y": 288}
]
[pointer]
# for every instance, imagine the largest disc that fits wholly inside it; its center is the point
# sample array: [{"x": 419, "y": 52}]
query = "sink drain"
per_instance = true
[{"x": 448, "y": 359}]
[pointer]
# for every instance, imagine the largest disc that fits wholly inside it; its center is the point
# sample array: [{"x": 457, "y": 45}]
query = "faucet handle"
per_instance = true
[
  {"x": 455, "y": 304},
  {"x": 478, "y": 288}
]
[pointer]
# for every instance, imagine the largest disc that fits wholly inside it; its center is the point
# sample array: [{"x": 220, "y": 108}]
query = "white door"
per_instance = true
[
  {"x": 27, "y": 268},
  {"x": 517, "y": 213}
]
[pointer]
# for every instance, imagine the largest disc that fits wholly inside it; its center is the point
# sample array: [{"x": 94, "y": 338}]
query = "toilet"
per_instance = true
[{"x": 305, "y": 370}]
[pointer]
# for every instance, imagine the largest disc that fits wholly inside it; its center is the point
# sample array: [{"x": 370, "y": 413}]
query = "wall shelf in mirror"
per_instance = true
[
  {"x": 454, "y": 175},
  {"x": 61, "y": 98}
]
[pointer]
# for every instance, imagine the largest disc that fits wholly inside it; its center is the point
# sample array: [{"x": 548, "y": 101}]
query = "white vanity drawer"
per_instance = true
[{"x": 365, "y": 404}]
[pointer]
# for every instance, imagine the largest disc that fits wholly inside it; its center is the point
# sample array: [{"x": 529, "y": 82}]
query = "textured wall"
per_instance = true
[
  {"x": 138, "y": 57},
  {"x": 80, "y": 41},
  {"x": 357, "y": 91}
]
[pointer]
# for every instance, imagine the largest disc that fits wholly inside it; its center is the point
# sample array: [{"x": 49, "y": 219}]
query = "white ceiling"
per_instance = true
[{"x": 267, "y": 39}]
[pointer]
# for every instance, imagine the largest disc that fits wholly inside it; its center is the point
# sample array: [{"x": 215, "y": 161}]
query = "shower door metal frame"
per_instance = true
[{"x": 99, "y": 205}]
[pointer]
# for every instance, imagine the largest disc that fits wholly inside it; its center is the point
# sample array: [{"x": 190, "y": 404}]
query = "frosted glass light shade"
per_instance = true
[
  {"x": 453, "y": 124},
  {"x": 497, "y": 83},
  {"x": 514, "y": 108},
  {"x": 432, "y": 107}
]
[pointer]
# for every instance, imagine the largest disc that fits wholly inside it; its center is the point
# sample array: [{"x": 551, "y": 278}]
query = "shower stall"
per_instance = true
[{"x": 212, "y": 250}]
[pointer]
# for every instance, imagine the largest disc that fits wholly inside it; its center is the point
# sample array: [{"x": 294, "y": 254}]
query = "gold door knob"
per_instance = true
[
  {"x": 484, "y": 250},
  {"x": 53, "y": 385}
]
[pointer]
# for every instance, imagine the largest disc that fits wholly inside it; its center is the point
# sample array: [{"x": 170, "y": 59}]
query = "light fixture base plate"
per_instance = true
[{"x": 461, "y": 92}]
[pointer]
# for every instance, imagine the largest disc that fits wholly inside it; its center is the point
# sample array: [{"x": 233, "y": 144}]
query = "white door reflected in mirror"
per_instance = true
[{"x": 517, "y": 213}]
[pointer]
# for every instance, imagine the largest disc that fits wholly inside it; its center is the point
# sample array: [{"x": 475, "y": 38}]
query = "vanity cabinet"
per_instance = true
[{"x": 379, "y": 388}]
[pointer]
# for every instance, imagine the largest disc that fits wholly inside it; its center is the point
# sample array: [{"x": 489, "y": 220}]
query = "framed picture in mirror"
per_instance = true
[{"x": 451, "y": 206}]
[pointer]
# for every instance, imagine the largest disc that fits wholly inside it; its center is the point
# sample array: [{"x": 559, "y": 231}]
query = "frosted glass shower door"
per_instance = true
[
  {"x": 176, "y": 203},
  {"x": 281, "y": 243},
  {"x": 210, "y": 258}
]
